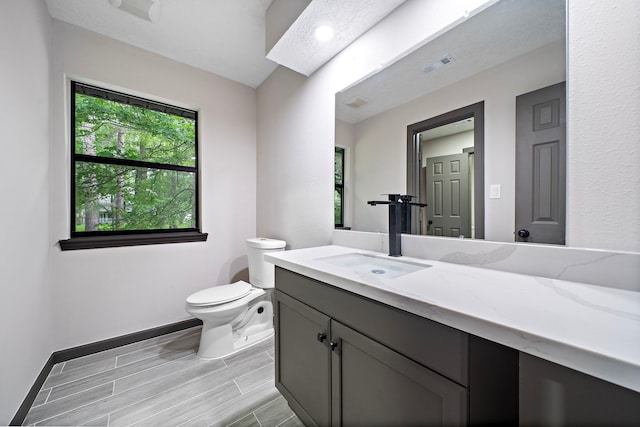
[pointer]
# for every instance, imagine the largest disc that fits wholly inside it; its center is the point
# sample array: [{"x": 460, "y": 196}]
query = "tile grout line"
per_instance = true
[
  {"x": 82, "y": 378},
  {"x": 235, "y": 398},
  {"x": 147, "y": 352},
  {"x": 185, "y": 401},
  {"x": 144, "y": 358},
  {"x": 169, "y": 389},
  {"x": 48, "y": 396},
  {"x": 163, "y": 340},
  {"x": 154, "y": 367},
  {"x": 71, "y": 409},
  {"x": 152, "y": 355},
  {"x": 155, "y": 378},
  {"x": 116, "y": 367},
  {"x": 294, "y": 414}
]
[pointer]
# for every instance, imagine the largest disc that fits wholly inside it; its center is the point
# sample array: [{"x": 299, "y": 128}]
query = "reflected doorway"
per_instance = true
[{"x": 445, "y": 171}]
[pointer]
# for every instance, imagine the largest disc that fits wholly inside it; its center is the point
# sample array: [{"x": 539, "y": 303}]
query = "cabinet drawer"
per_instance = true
[{"x": 436, "y": 346}]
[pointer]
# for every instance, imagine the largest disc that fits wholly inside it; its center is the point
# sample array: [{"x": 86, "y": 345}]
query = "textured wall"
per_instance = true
[
  {"x": 603, "y": 109},
  {"x": 26, "y": 329}
]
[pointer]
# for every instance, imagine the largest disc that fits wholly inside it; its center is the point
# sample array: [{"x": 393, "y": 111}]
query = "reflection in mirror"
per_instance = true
[
  {"x": 446, "y": 180},
  {"x": 445, "y": 158},
  {"x": 510, "y": 48}
]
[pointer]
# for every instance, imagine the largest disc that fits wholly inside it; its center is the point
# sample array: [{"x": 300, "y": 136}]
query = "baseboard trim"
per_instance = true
[
  {"x": 87, "y": 349},
  {"x": 21, "y": 414}
]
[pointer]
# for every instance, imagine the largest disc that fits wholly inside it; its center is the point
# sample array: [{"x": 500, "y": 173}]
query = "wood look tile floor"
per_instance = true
[{"x": 161, "y": 382}]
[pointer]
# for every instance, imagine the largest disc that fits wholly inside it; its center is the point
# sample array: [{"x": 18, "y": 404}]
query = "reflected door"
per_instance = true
[
  {"x": 540, "y": 165},
  {"x": 448, "y": 196}
]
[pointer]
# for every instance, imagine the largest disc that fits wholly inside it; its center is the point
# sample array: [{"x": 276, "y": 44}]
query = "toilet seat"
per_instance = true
[{"x": 220, "y": 294}]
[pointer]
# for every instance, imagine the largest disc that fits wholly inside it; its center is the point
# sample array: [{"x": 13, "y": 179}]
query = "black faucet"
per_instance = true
[{"x": 397, "y": 204}]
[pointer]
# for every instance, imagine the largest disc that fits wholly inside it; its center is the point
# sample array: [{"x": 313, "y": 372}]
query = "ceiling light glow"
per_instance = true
[{"x": 324, "y": 33}]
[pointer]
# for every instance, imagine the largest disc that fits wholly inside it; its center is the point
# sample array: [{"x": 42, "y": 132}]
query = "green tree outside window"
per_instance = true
[{"x": 134, "y": 164}]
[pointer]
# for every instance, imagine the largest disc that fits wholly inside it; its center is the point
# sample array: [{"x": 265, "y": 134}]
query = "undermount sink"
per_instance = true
[{"x": 374, "y": 265}]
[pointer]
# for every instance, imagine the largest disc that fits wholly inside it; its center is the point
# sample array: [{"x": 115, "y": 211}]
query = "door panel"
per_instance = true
[
  {"x": 448, "y": 196},
  {"x": 373, "y": 385},
  {"x": 540, "y": 165},
  {"x": 303, "y": 362}
]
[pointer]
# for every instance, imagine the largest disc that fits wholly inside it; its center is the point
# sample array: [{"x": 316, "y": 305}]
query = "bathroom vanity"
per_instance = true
[{"x": 360, "y": 344}]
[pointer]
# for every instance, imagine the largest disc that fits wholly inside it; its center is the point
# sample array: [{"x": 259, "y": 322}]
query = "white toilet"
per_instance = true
[{"x": 240, "y": 314}]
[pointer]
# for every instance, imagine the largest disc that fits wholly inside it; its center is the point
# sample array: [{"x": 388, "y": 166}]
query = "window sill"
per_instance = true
[{"x": 96, "y": 242}]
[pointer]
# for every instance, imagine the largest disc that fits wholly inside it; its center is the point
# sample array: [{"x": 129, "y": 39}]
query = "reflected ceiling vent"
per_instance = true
[
  {"x": 356, "y": 102},
  {"x": 448, "y": 59}
]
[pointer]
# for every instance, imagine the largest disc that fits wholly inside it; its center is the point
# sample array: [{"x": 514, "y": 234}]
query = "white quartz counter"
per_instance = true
[{"x": 588, "y": 328}]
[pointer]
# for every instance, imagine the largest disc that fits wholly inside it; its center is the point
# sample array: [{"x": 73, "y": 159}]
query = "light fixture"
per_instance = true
[
  {"x": 145, "y": 9},
  {"x": 324, "y": 33}
]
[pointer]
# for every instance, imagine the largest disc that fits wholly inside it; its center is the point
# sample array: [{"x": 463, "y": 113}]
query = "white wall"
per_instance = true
[
  {"x": 380, "y": 145},
  {"x": 603, "y": 108},
  {"x": 446, "y": 145},
  {"x": 294, "y": 160},
  {"x": 25, "y": 261},
  {"x": 102, "y": 293}
]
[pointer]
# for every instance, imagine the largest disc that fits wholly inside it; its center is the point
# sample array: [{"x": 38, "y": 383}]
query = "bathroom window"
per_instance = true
[
  {"x": 134, "y": 170},
  {"x": 338, "y": 194}
]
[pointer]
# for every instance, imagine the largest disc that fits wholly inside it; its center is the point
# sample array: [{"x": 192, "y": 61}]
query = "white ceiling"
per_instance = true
[
  {"x": 224, "y": 37},
  {"x": 298, "y": 48},
  {"x": 501, "y": 32}
]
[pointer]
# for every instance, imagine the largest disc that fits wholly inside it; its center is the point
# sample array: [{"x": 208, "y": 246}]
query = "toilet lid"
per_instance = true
[{"x": 220, "y": 294}]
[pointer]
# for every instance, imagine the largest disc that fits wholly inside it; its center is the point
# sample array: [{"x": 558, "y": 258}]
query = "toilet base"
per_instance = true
[
  {"x": 248, "y": 328},
  {"x": 222, "y": 342}
]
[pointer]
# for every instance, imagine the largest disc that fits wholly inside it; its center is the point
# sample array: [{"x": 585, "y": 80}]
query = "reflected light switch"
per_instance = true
[{"x": 494, "y": 191}]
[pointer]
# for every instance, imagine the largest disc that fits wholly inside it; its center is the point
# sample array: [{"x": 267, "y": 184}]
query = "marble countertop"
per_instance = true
[{"x": 592, "y": 329}]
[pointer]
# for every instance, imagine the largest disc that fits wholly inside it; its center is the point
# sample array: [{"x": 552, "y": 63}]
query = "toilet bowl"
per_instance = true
[{"x": 239, "y": 314}]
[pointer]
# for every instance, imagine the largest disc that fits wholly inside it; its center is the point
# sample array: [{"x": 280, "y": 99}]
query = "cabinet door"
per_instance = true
[
  {"x": 554, "y": 395},
  {"x": 303, "y": 359},
  {"x": 373, "y": 385}
]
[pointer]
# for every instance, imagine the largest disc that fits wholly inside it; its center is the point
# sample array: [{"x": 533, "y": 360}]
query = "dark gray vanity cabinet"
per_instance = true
[
  {"x": 303, "y": 363},
  {"x": 554, "y": 395},
  {"x": 342, "y": 359}
]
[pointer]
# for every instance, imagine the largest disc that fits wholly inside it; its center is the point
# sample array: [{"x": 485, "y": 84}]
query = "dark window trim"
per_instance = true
[
  {"x": 138, "y": 239},
  {"x": 341, "y": 187},
  {"x": 110, "y": 239}
]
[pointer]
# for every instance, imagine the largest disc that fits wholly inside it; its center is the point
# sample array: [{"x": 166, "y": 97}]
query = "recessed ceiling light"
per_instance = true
[{"x": 324, "y": 33}]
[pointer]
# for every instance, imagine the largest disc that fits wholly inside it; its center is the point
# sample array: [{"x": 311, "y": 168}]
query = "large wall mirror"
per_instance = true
[{"x": 426, "y": 106}]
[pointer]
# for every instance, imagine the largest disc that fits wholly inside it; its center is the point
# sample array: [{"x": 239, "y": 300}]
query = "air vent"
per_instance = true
[
  {"x": 448, "y": 59},
  {"x": 356, "y": 102}
]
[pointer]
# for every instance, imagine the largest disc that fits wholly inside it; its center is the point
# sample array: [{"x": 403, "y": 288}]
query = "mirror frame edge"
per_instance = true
[{"x": 413, "y": 174}]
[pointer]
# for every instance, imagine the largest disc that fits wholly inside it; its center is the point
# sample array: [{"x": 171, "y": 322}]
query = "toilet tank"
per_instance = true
[{"x": 262, "y": 273}]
